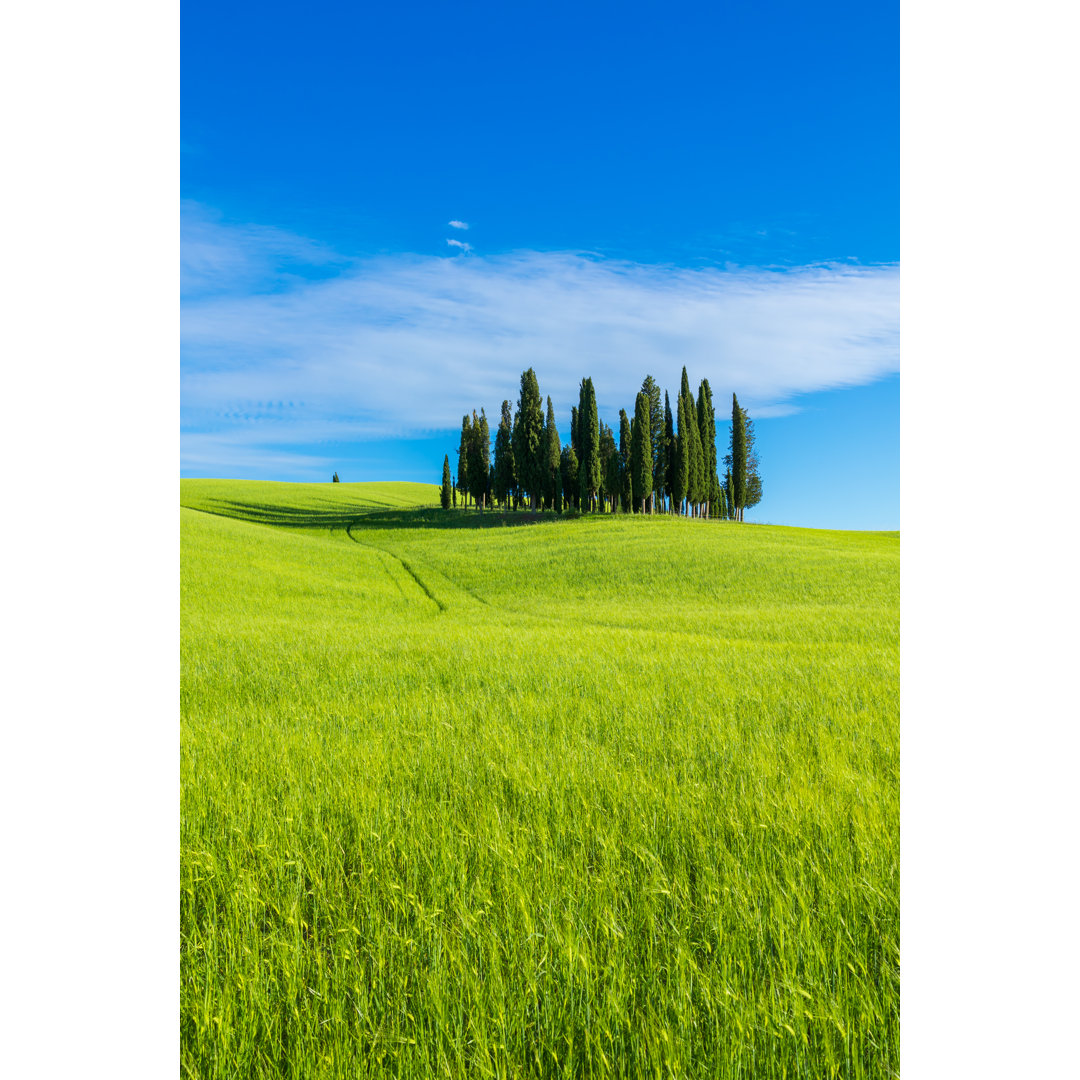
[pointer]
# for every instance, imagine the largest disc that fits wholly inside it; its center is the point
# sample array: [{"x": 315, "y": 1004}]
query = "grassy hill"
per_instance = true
[{"x": 492, "y": 796}]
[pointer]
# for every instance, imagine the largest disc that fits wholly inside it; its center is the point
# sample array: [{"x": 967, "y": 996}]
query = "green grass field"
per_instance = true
[{"x": 481, "y": 797}]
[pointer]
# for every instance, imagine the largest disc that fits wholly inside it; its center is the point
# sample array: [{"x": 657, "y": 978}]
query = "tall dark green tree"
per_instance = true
[
  {"x": 528, "y": 438},
  {"x": 626, "y": 480},
  {"x": 609, "y": 467},
  {"x": 695, "y": 485},
  {"x": 574, "y": 436},
  {"x": 482, "y": 438},
  {"x": 569, "y": 469},
  {"x": 651, "y": 391},
  {"x": 505, "y": 473},
  {"x": 589, "y": 438},
  {"x": 671, "y": 451},
  {"x": 721, "y": 502},
  {"x": 691, "y": 448},
  {"x": 737, "y": 453},
  {"x": 729, "y": 496},
  {"x": 474, "y": 468},
  {"x": 754, "y": 489},
  {"x": 552, "y": 460},
  {"x": 463, "y": 459},
  {"x": 445, "y": 493},
  {"x": 706, "y": 418},
  {"x": 680, "y": 479},
  {"x": 641, "y": 453}
]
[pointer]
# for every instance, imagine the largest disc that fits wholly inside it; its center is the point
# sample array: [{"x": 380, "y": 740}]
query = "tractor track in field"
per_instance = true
[{"x": 402, "y": 563}]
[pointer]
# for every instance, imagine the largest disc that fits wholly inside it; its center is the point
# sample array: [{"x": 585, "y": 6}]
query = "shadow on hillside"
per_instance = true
[{"x": 362, "y": 517}]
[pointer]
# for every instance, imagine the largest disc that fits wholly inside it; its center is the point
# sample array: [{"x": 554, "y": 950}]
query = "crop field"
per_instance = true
[{"x": 513, "y": 796}]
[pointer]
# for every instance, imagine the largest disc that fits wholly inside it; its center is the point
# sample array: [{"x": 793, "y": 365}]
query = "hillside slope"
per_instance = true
[{"x": 466, "y": 795}]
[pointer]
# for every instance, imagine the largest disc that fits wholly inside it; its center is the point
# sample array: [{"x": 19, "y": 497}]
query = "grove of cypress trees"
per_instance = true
[
  {"x": 589, "y": 438},
  {"x": 641, "y": 452},
  {"x": 738, "y": 457},
  {"x": 552, "y": 459},
  {"x": 527, "y": 438},
  {"x": 444, "y": 494}
]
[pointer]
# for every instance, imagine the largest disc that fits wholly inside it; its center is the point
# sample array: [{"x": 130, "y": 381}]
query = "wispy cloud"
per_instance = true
[
  {"x": 459, "y": 244},
  {"x": 396, "y": 345},
  {"x": 458, "y": 224},
  {"x": 216, "y": 259}
]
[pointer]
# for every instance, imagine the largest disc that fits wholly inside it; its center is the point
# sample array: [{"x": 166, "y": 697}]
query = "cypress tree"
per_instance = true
[
  {"x": 463, "y": 459},
  {"x": 528, "y": 438},
  {"x": 706, "y": 417},
  {"x": 651, "y": 391},
  {"x": 695, "y": 484},
  {"x": 589, "y": 437},
  {"x": 670, "y": 453},
  {"x": 729, "y": 496},
  {"x": 753, "y": 466},
  {"x": 626, "y": 484},
  {"x": 552, "y": 459},
  {"x": 335, "y": 479},
  {"x": 483, "y": 457},
  {"x": 738, "y": 457},
  {"x": 609, "y": 466},
  {"x": 569, "y": 470},
  {"x": 504, "y": 479},
  {"x": 680, "y": 478},
  {"x": 453, "y": 491},
  {"x": 641, "y": 452},
  {"x": 473, "y": 468},
  {"x": 640, "y": 457},
  {"x": 574, "y": 434},
  {"x": 692, "y": 444},
  {"x": 444, "y": 494}
]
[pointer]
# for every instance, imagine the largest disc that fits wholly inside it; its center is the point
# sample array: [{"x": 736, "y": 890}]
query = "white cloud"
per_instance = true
[
  {"x": 396, "y": 345},
  {"x": 459, "y": 244},
  {"x": 459, "y": 224}
]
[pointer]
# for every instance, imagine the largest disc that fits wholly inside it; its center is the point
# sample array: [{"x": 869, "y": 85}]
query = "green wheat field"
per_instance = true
[{"x": 508, "y": 796}]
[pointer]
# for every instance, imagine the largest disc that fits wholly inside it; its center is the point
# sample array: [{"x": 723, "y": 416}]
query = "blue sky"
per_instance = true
[{"x": 644, "y": 186}]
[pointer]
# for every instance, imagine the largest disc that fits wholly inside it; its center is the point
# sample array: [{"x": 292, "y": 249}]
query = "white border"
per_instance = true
[{"x": 90, "y": 763}]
